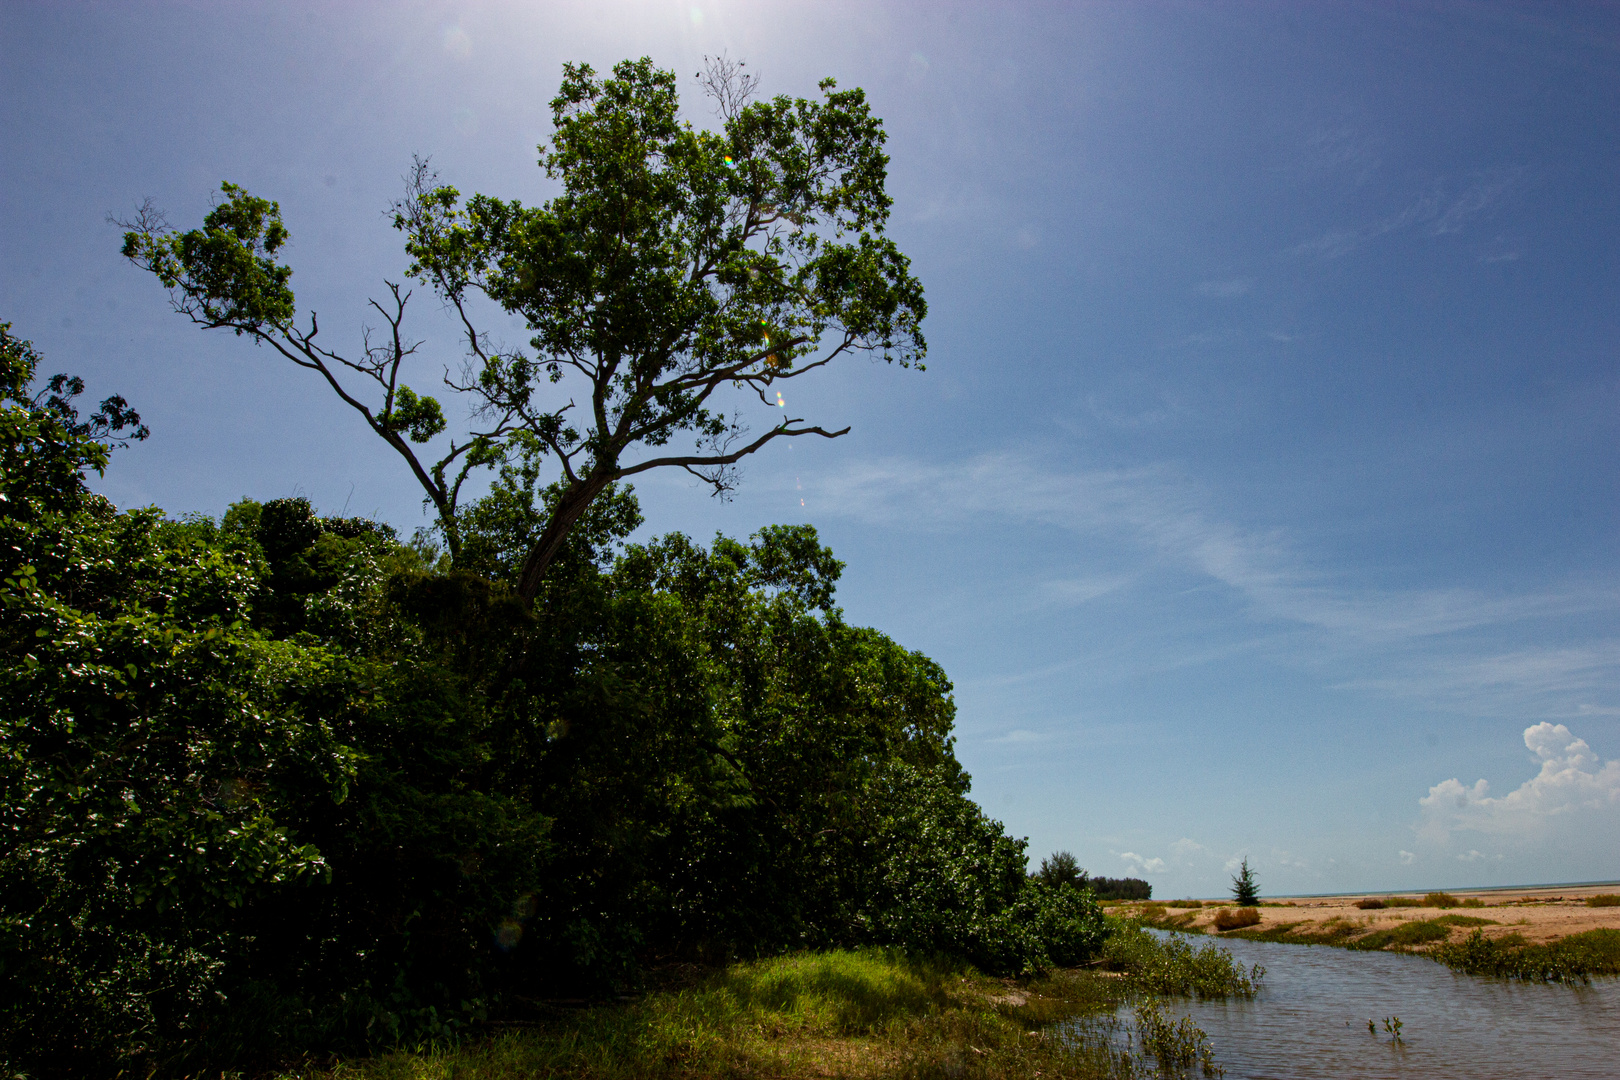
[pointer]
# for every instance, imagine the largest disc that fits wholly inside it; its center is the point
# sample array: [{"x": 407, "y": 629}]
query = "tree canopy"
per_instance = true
[{"x": 680, "y": 275}]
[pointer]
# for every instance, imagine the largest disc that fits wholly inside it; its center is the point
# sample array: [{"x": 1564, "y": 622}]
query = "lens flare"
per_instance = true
[{"x": 779, "y": 400}]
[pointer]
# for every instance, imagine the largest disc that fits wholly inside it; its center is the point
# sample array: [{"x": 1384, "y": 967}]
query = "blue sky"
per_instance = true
[{"x": 1260, "y": 494}]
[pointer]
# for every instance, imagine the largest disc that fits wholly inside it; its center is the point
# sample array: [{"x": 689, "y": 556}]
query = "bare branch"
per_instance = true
[{"x": 726, "y": 84}]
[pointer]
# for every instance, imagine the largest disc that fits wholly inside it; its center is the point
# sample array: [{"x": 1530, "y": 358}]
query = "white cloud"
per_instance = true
[
  {"x": 1283, "y": 858},
  {"x": 1475, "y": 855},
  {"x": 1407, "y": 858},
  {"x": 1572, "y": 780},
  {"x": 1140, "y": 863},
  {"x": 1187, "y": 847}
]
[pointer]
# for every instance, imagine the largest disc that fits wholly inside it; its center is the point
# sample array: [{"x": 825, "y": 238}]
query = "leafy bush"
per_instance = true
[
  {"x": 1603, "y": 900},
  {"x": 1440, "y": 900},
  {"x": 1370, "y": 904}
]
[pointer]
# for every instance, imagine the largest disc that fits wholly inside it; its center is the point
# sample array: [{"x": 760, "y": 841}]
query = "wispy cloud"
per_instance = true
[
  {"x": 1162, "y": 513},
  {"x": 1538, "y": 681},
  {"x": 1018, "y": 736},
  {"x": 1426, "y": 644},
  {"x": 1440, "y": 212}
]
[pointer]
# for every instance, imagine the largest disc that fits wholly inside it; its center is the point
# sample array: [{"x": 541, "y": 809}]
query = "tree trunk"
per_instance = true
[{"x": 569, "y": 509}]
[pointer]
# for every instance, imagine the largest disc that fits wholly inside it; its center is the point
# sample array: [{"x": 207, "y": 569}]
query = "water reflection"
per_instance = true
[{"x": 1310, "y": 1020}]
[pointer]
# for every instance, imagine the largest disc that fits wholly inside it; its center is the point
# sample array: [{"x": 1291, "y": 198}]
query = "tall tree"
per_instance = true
[{"x": 677, "y": 264}]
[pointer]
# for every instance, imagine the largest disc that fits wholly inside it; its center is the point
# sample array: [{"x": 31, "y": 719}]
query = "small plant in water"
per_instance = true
[
  {"x": 1392, "y": 1024},
  {"x": 1372, "y": 1029},
  {"x": 1176, "y": 1046}
]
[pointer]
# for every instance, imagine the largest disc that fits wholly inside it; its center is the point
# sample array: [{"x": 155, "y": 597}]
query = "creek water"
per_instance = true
[{"x": 1310, "y": 1020}]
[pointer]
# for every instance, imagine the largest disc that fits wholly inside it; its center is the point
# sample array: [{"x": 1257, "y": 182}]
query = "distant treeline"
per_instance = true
[
  {"x": 1125, "y": 888},
  {"x": 1063, "y": 869}
]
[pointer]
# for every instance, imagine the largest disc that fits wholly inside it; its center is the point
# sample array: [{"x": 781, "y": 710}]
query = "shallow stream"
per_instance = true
[{"x": 1310, "y": 1020}]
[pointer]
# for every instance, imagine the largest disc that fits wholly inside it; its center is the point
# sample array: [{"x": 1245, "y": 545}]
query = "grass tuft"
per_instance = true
[
  {"x": 1604, "y": 900},
  {"x": 1370, "y": 904},
  {"x": 1440, "y": 900}
]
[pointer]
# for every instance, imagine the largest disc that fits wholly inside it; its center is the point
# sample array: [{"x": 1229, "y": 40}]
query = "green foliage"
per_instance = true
[
  {"x": 1245, "y": 889},
  {"x": 1169, "y": 964},
  {"x": 1603, "y": 900},
  {"x": 1573, "y": 959},
  {"x": 1062, "y": 868},
  {"x": 1125, "y": 888},
  {"x": 224, "y": 274},
  {"x": 1178, "y": 1047},
  {"x": 1440, "y": 900}
]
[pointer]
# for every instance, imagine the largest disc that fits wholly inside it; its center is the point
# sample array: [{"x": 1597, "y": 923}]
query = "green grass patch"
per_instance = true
[
  {"x": 1463, "y": 920},
  {"x": 1405, "y": 936},
  {"x": 1604, "y": 900},
  {"x": 1184, "y": 903},
  {"x": 1440, "y": 900},
  {"x": 869, "y": 1013}
]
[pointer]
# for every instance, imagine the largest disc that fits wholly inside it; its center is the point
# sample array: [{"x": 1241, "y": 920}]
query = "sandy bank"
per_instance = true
[{"x": 1535, "y": 915}]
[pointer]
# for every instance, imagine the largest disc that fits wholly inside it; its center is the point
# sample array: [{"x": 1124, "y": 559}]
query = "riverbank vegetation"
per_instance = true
[
  {"x": 866, "y": 1013},
  {"x": 1454, "y": 939}
]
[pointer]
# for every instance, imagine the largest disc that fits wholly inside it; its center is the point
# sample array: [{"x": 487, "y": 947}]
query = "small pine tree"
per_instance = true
[{"x": 1245, "y": 890}]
